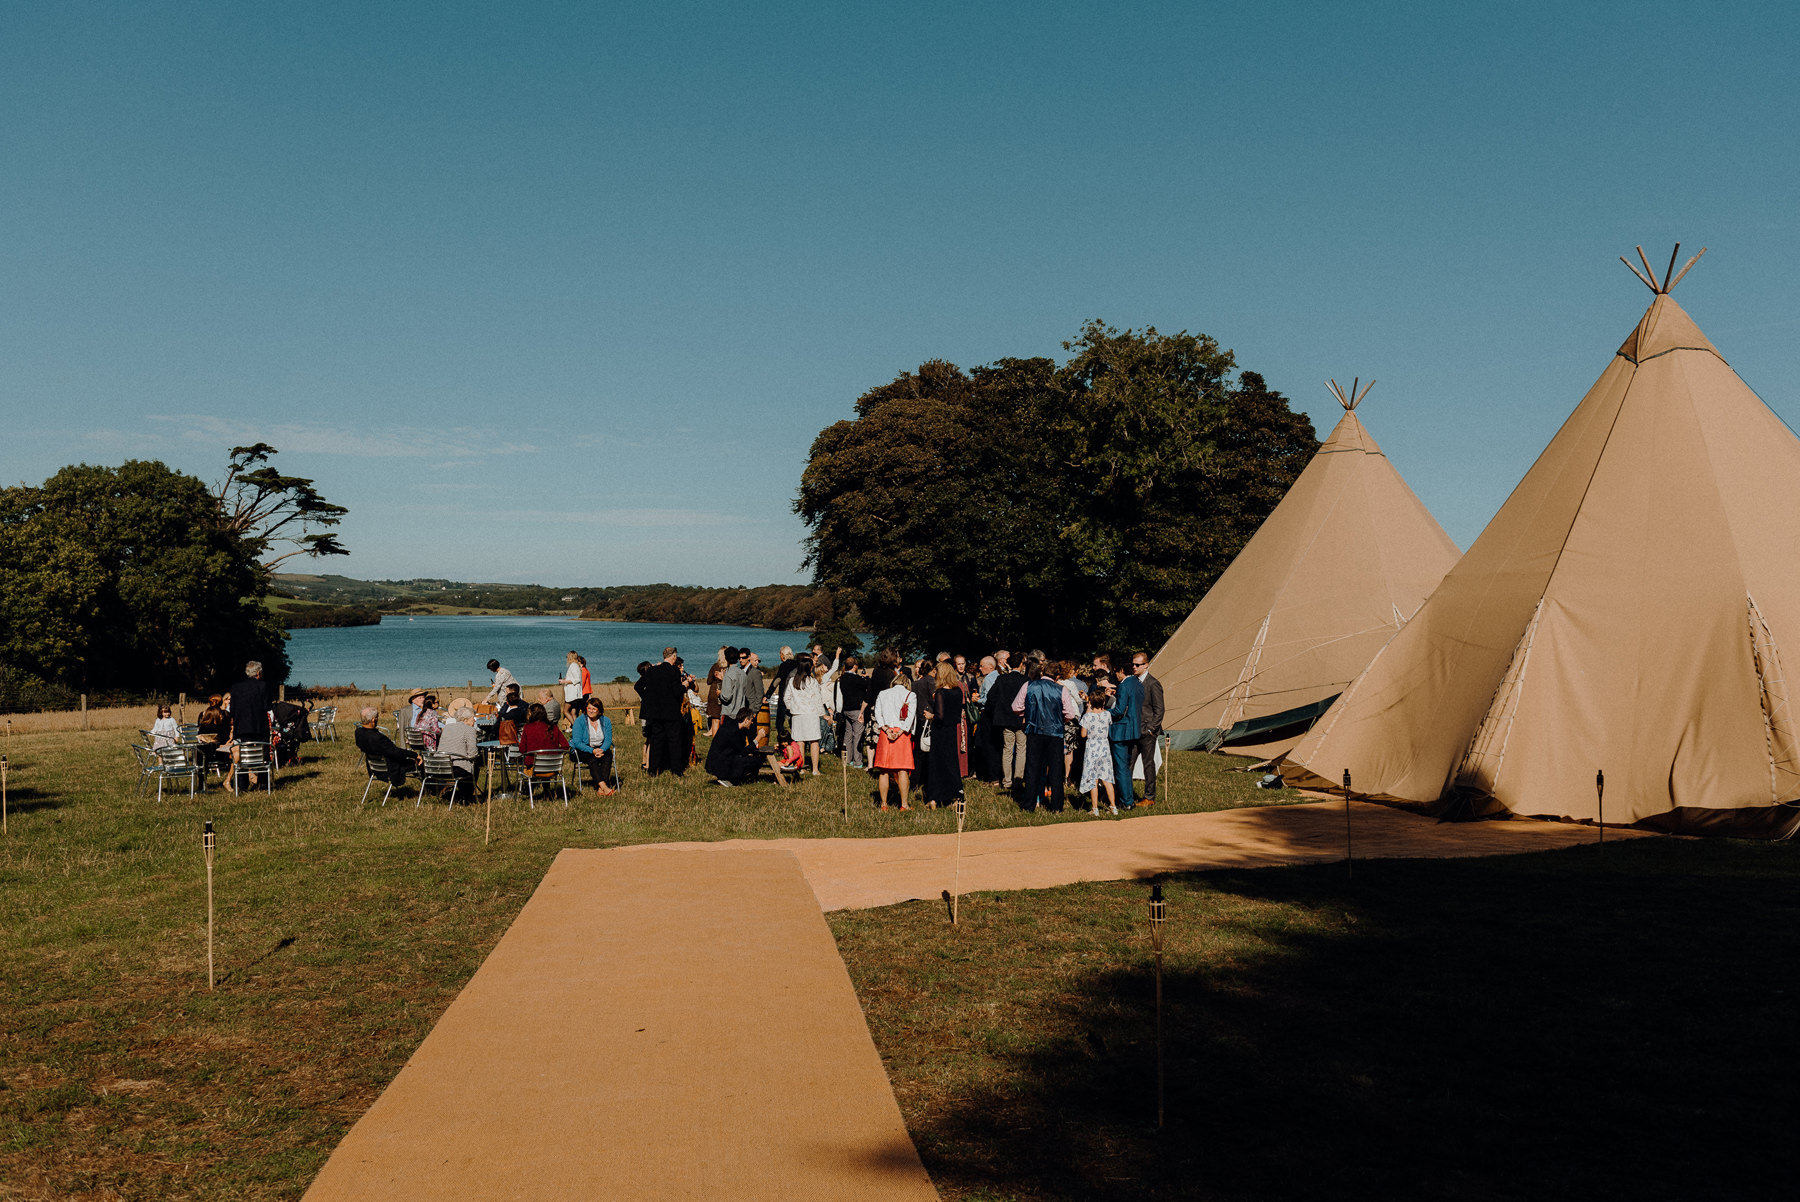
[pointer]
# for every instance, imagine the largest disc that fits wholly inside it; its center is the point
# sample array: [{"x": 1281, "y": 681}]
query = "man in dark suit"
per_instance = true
[
  {"x": 1150, "y": 724},
  {"x": 661, "y": 691},
  {"x": 377, "y": 746},
  {"x": 250, "y": 710},
  {"x": 1008, "y": 727},
  {"x": 1127, "y": 715}
]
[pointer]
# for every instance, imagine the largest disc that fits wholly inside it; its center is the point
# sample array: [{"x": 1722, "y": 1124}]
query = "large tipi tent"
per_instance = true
[
  {"x": 1629, "y": 610},
  {"x": 1346, "y": 557}
]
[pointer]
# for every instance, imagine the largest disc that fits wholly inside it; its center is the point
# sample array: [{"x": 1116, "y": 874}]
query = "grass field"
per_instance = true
[
  {"x": 1551, "y": 1025},
  {"x": 343, "y": 932}
]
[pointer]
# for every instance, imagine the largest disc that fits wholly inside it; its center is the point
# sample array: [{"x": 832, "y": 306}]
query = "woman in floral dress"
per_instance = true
[{"x": 1097, "y": 770}]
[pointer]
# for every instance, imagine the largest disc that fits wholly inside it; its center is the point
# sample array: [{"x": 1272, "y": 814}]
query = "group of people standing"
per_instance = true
[
  {"x": 933, "y": 723},
  {"x": 1032, "y": 728}
]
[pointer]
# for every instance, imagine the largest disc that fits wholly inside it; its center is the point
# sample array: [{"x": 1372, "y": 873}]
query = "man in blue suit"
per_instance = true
[{"x": 1127, "y": 712}]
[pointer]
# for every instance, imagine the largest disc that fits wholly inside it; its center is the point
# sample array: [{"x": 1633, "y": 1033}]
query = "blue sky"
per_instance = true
[{"x": 562, "y": 292}]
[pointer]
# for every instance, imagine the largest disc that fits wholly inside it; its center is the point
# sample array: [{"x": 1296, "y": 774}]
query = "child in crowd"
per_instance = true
[{"x": 1097, "y": 767}]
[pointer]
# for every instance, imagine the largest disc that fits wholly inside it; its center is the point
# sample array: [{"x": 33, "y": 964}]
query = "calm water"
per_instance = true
[{"x": 405, "y": 652}]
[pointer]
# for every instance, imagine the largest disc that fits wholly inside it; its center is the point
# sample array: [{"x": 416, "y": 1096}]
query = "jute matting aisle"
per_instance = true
[
  {"x": 673, "y": 1021},
  {"x": 656, "y": 1024}
]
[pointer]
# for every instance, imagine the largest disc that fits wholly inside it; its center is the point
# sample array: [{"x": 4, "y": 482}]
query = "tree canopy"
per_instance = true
[
  {"x": 129, "y": 578},
  {"x": 1071, "y": 508}
]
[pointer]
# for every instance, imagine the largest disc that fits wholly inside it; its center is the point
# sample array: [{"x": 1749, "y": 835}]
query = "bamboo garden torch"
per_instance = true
[
  {"x": 1349, "y": 860},
  {"x": 3, "y": 766},
  {"x": 207, "y": 842},
  {"x": 1158, "y": 914},
  {"x": 962, "y": 810}
]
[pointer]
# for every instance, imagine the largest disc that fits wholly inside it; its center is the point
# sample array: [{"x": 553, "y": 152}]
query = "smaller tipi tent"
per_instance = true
[
  {"x": 1341, "y": 563},
  {"x": 1629, "y": 610}
]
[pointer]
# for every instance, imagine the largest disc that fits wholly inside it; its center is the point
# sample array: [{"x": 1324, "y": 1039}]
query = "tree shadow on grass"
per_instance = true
[
  {"x": 1553, "y": 1025},
  {"x": 29, "y": 800}
]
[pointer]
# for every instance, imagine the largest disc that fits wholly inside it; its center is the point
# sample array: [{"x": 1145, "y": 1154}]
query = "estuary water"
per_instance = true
[{"x": 404, "y": 652}]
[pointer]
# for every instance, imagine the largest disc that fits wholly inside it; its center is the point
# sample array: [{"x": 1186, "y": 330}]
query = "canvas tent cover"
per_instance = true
[
  {"x": 1630, "y": 609},
  {"x": 1345, "y": 558}
]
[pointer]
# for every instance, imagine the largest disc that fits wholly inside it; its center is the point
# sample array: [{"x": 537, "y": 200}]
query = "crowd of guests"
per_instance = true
[
  {"x": 1033, "y": 727},
  {"x": 933, "y": 723}
]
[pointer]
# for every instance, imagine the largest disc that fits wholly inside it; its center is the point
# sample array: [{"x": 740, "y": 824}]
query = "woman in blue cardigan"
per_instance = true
[{"x": 591, "y": 739}]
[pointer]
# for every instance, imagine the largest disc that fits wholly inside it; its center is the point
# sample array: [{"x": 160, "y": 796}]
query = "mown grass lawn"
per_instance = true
[{"x": 343, "y": 933}]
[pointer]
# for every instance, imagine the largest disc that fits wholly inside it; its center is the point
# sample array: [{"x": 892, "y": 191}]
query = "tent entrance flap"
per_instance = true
[{"x": 1251, "y": 730}]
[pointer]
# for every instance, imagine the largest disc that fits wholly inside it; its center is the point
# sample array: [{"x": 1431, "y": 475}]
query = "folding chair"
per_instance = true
[
  {"x": 545, "y": 767},
  {"x": 254, "y": 759},
  {"x": 436, "y": 768},
  {"x": 377, "y": 768}
]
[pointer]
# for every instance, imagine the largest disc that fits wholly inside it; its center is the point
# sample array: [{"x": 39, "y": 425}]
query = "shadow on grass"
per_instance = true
[
  {"x": 28, "y": 800},
  {"x": 243, "y": 970},
  {"x": 1554, "y": 1025}
]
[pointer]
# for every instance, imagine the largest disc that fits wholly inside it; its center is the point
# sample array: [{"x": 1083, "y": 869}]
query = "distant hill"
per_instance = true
[{"x": 777, "y": 606}]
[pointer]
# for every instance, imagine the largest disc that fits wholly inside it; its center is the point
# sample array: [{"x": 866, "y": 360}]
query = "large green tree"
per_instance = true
[
  {"x": 129, "y": 578},
  {"x": 1076, "y": 507}
]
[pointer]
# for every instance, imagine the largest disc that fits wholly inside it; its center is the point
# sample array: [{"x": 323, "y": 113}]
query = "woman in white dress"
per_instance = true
[{"x": 806, "y": 708}]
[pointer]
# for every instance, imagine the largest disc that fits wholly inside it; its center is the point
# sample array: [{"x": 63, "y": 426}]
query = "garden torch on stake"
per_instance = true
[
  {"x": 1158, "y": 912},
  {"x": 3, "y": 793},
  {"x": 962, "y": 810},
  {"x": 206, "y": 842},
  {"x": 1349, "y": 863}
]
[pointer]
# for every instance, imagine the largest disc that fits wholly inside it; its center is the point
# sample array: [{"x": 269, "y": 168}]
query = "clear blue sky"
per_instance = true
[{"x": 562, "y": 292}]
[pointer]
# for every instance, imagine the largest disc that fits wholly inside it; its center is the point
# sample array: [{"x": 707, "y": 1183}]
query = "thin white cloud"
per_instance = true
[{"x": 457, "y": 444}]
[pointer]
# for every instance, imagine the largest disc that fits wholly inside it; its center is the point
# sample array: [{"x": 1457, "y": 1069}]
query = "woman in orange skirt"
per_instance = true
[{"x": 894, "y": 718}]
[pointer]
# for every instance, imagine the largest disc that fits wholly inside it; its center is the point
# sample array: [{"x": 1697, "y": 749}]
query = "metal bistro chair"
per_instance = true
[
  {"x": 190, "y": 732},
  {"x": 183, "y": 759},
  {"x": 324, "y": 723},
  {"x": 377, "y": 768},
  {"x": 254, "y": 758},
  {"x": 546, "y": 766},
  {"x": 414, "y": 740},
  {"x": 149, "y": 769},
  {"x": 435, "y": 768}
]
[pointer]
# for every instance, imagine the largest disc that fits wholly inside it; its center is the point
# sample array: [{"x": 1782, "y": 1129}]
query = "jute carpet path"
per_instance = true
[
  {"x": 673, "y": 1021},
  {"x": 656, "y": 1024},
  {"x": 857, "y": 874}
]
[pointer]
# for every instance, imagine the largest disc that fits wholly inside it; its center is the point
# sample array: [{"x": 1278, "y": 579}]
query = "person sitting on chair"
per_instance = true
[
  {"x": 590, "y": 738},
  {"x": 538, "y": 734},
  {"x": 457, "y": 740},
  {"x": 376, "y": 745}
]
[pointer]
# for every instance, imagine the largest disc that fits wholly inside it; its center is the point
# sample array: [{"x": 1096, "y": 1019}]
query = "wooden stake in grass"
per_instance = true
[
  {"x": 844, "y": 763},
  {"x": 1600, "y": 792},
  {"x": 3, "y": 792},
  {"x": 206, "y": 844},
  {"x": 488, "y": 835},
  {"x": 961, "y": 805},
  {"x": 1349, "y": 862},
  {"x": 1158, "y": 913}
]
